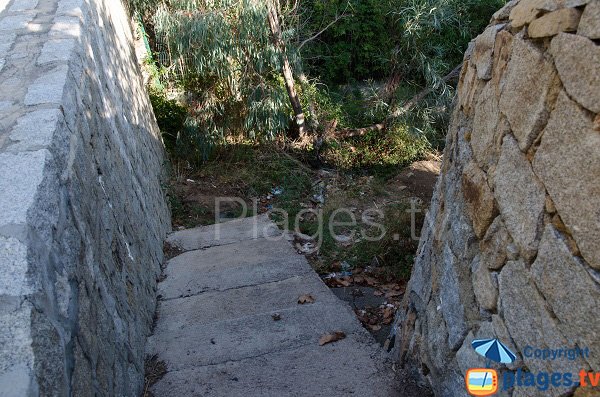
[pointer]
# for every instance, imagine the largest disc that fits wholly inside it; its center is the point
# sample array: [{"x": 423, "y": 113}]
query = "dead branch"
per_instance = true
[
  {"x": 330, "y": 24},
  {"x": 348, "y": 133},
  {"x": 423, "y": 94},
  {"x": 354, "y": 132}
]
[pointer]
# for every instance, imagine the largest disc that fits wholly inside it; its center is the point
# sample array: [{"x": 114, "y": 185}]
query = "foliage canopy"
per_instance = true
[{"x": 221, "y": 57}]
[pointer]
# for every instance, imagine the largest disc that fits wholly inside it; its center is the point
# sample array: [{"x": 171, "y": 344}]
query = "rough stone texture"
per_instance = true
[
  {"x": 494, "y": 245},
  {"x": 480, "y": 201},
  {"x": 82, "y": 214},
  {"x": 485, "y": 285},
  {"x": 529, "y": 322},
  {"x": 484, "y": 48},
  {"x": 489, "y": 128},
  {"x": 503, "y": 13},
  {"x": 569, "y": 289},
  {"x": 524, "y": 135},
  {"x": 563, "y": 20},
  {"x": 578, "y": 62},
  {"x": 531, "y": 77},
  {"x": 589, "y": 26},
  {"x": 520, "y": 196},
  {"x": 573, "y": 182},
  {"x": 528, "y": 10}
]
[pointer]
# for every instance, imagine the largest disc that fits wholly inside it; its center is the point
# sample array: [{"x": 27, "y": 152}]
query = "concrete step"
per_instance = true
[
  {"x": 216, "y": 333},
  {"x": 248, "y": 262},
  {"x": 187, "y": 345},
  {"x": 236, "y": 302},
  {"x": 350, "y": 367},
  {"x": 224, "y": 233}
]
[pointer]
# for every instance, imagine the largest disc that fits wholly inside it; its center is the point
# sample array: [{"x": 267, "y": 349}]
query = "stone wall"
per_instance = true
[
  {"x": 82, "y": 214},
  {"x": 511, "y": 245}
]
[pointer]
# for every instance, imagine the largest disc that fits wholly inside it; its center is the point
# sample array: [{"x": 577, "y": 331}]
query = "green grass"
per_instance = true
[
  {"x": 243, "y": 170},
  {"x": 382, "y": 152}
]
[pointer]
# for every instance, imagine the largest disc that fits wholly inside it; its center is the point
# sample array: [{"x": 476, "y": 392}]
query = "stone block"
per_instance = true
[
  {"x": 493, "y": 245},
  {"x": 570, "y": 291},
  {"x": 521, "y": 197},
  {"x": 483, "y": 51},
  {"x": 65, "y": 27},
  {"x": 13, "y": 272},
  {"x": 503, "y": 13},
  {"x": 48, "y": 88},
  {"x": 8, "y": 39},
  {"x": 467, "y": 357},
  {"x": 20, "y": 176},
  {"x": 528, "y": 320},
  {"x": 528, "y": 10},
  {"x": 488, "y": 128},
  {"x": 502, "y": 51},
  {"x": 57, "y": 50},
  {"x": 572, "y": 181},
  {"x": 563, "y": 20},
  {"x": 24, "y": 5},
  {"x": 452, "y": 304},
  {"x": 469, "y": 87},
  {"x": 589, "y": 26},
  {"x": 485, "y": 285},
  {"x": 577, "y": 60},
  {"x": 16, "y": 353},
  {"x": 35, "y": 130},
  {"x": 532, "y": 79},
  {"x": 575, "y": 3},
  {"x": 16, "y": 381},
  {"x": 479, "y": 199},
  {"x": 435, "y": 340},
  {"x": 48, "y": 348},
  {"x": 69, "y": 7},
  {"x": 15, "y": 22}
]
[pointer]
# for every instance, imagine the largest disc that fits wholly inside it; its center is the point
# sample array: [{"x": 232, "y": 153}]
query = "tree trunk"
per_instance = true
[
  {"x": 421, "y": 95},
  {"x": 288, "y": 74},
  {"x": 396, "y": 111},
  {"x": 314, "y": 119}
]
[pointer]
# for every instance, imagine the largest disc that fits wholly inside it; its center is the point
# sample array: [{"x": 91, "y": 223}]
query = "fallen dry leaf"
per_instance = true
[
  {"x": 306, "y": 299},
  {"x": 331, "y": 337},
  {"x": 344, "y": 282},
  {"x": 359, "y": 279},
  {"x": 375, "y": 327},
  {"x": 393, "y": 294},
  {"x": 377, "y": 293},
  {"x": 388, "y": 312}
]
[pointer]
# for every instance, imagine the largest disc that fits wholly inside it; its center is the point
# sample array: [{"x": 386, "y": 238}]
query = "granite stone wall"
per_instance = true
[
  {"x": 82, "y": 213},
  {"x": 511, "y": 245}
]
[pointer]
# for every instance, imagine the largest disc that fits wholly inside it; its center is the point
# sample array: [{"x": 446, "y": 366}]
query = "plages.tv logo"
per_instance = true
[{"x": 484, "y": 381}]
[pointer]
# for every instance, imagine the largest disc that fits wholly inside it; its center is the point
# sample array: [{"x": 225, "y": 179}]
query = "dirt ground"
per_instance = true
[{"x": 371, "y": 277}]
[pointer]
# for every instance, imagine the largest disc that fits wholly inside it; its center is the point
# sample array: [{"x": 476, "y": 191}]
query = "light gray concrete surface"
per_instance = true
[
  {"x": 216, "y": 334},
  {"x": 225, "y": 233}
]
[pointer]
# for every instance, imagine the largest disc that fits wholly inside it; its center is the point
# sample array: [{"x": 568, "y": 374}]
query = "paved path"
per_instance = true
[{"x": 217, "y": 336}]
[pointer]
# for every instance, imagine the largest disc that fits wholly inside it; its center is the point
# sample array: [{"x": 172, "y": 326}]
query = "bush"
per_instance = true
[
  {"x": 170, "y": 116},
  {"x": 357, "y": 47}
]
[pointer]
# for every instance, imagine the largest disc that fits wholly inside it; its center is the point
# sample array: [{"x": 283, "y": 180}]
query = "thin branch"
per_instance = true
[
  {"x": 421, "y": 95},
  {"x": 354, "y": 132},
  {"x": 330, "y": 24}
]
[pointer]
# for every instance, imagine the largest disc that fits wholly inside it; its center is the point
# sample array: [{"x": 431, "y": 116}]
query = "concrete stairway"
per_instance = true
[{"x": 217, "y": 335}]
